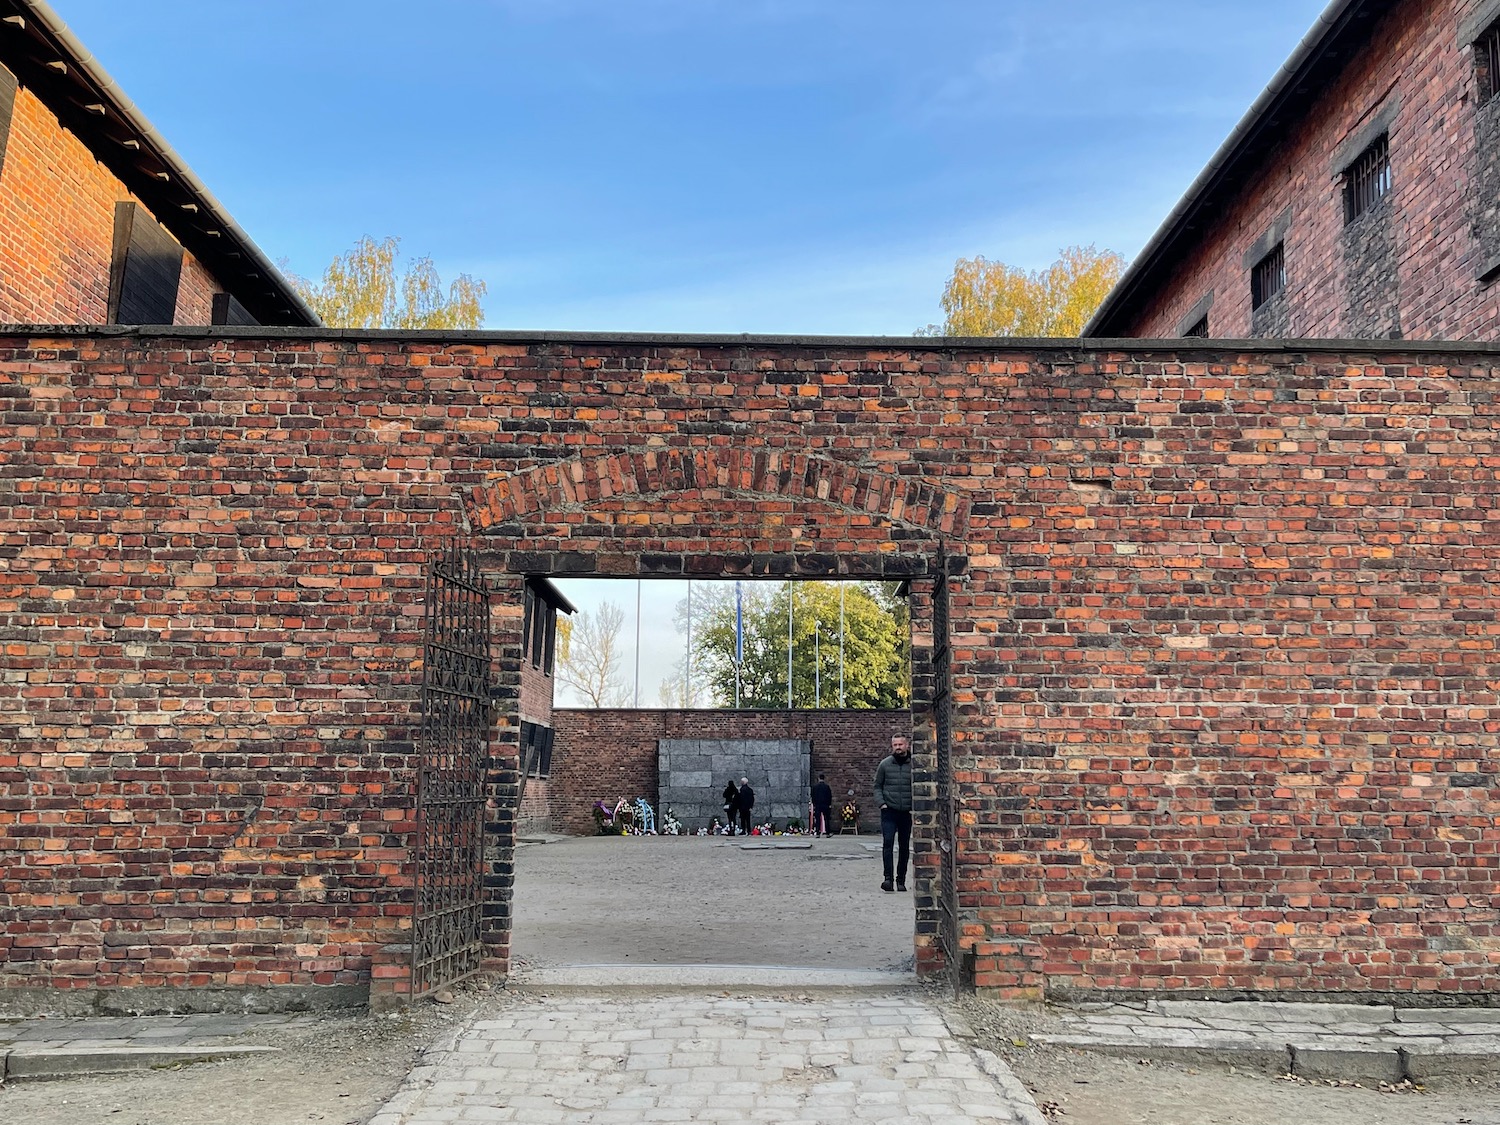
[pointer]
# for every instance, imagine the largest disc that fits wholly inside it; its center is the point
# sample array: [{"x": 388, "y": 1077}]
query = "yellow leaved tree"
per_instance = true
[
  {"x": 361, "y": 289},
  {"x": 985, "y": 298}
]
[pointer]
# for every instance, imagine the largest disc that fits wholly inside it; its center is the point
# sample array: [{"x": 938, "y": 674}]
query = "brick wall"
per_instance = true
[
  {"x": 603, "y": 755},
  {"x": 1417, "y": 269},
  {"x": 57, "y": 214},
  {"x": 536, "y": 695},
  {"x": 1223, "y": 628},
  {"x": 535, "y": 811}
]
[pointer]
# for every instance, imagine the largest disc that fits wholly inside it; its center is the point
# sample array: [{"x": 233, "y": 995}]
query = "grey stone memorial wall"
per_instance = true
[{"x": 693, "y": 772}]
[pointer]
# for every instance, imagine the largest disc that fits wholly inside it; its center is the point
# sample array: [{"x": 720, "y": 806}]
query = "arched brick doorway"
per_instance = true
[{"x": 728, "y": 514}]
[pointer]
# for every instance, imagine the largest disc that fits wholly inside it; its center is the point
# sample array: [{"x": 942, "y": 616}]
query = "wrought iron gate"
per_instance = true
[
  {"x": 942, "y": 715},
  {"x": 452, "y": 749}
]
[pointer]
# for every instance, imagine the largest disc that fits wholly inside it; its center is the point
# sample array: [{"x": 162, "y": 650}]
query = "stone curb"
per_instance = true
[
  {"x": 1342, "y": 1058},
  {"x": 733, "y": 978},
  {"x": 1262, "y": 1058},
  {"x": 72, "y": 1062},
  {"x": 1018, "y": 1095}
]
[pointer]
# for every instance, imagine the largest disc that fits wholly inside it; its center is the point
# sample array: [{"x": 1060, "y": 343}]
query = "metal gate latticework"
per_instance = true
[{"x": 452, "y": 748}]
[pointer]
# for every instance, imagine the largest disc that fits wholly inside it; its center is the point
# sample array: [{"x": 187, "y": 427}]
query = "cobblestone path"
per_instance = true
[{"x": 611, "y": 1060}]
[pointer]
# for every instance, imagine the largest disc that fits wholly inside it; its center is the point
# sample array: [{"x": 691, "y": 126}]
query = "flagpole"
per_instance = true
[
  {"x": 687, "y": 672},
  {"x": 789, "y": 596},
  {"x": 637, "y": 642},
  {"x": 842, "y": 704},
  {"x": 817, "y": 666},
  {"x": 739, "y": 642}
]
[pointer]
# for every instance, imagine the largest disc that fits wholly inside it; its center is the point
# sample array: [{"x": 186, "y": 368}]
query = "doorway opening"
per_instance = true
[{"x": 624, "y": 858}]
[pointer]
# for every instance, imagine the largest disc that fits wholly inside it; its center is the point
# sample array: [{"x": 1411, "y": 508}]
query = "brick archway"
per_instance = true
[
  {"x": 713, "y": 473},
  {"x": 795, "y": 515}
]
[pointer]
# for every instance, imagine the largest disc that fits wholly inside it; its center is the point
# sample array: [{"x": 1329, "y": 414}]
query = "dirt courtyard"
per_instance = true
[{"x": 695, "y": 900}]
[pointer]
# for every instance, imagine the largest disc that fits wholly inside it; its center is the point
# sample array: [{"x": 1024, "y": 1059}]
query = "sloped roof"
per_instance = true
[
  {"x": 36, "y": 45},
  {"x": 1344, "y": 27}
]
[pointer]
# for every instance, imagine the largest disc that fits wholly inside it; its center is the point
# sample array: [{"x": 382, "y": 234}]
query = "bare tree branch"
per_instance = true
[{"x": 591, "y": 662}]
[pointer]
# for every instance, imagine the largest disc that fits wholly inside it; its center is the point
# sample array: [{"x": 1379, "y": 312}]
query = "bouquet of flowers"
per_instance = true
[
  {"x": 671, "y": 826},
  {"x": 850, "y": 813}
]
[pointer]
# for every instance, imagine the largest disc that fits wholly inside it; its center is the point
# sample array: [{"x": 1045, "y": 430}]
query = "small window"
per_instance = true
[
  {"x": 1198, "y": 330},
  {"x": 1268, "y": 278},
  {"x": 1368, "y": 180},
  {"x": 536, "y": 750},
  {"x": 144, "y": 271},
  {"x": 528, "y": 613},
  {"x": 1487, "y": 63},
  {"x": 539, "y": 631}
]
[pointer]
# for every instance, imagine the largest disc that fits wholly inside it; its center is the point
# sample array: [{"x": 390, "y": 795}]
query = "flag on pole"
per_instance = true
[{"x": 739, "y": 626}]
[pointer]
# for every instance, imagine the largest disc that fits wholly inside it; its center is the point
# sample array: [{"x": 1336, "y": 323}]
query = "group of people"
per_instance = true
[
  {"x": 892, "y": 794},
  {"x": 738, "y": 801}
]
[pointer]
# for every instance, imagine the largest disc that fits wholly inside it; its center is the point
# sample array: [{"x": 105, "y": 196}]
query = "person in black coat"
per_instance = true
[
  {"x": 731, "y": 796},
  {"x": 822, "y": 806},
  {"x": 745, "y": 801}
]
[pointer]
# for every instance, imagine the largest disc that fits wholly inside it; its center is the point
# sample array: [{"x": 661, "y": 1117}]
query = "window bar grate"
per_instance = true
[
  {"x": 1269, "y": 276},
  {"x": 1487, "y": 57},
  {"x": 1368, "y": 180}
]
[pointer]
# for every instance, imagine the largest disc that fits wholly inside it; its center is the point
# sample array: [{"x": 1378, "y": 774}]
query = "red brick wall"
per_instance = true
[
  {"x": 57, "y": 222},
  {"x": 536, "y": 695},
  {"x": 1416, "y": 57},
  {"x": 1225, "y": 636},
  {"x": 603, "y": 755},
  {"x": 535, "y": 812}
]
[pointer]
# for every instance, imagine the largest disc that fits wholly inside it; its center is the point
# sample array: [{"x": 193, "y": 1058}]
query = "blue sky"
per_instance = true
[{"x": 796, "y": 166}]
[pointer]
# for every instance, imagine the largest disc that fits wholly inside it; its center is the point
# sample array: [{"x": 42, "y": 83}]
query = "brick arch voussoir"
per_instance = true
[{"x": 584, "y": 482}]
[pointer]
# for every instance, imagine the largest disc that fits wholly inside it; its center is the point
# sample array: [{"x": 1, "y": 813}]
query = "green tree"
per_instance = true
[
  {"x": 985, "y": 298},
  {"x": 876, "y": 650},
  {"x": 362, "y": 289}
]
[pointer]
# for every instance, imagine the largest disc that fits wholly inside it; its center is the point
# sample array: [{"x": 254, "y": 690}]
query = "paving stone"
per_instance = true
[
  {"x": 32, "y": 1062},
  {"x": 1449, "y": 1016},
  {"x": 1268, "y": 1011},
  {"x": 1369, "y": 1065},
  {"x": 1449, "y": 1059},
  {"x": 704, "y": 1058}
]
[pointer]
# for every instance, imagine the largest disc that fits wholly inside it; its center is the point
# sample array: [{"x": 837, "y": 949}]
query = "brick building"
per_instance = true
[
  {"x": 1205, "y": 638},
  {"x": 542, "y": 602},
  {"x": 1358, "y": 198},
  {"x": 100, "y": 221}
]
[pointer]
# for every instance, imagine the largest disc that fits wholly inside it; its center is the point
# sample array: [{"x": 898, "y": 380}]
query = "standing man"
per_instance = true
[
  {"x": 745, "y": 801},
  {"x": 822, "y": 806},
  {"x": 731, "y": 798},
  {"x": 893, "y": 795}
]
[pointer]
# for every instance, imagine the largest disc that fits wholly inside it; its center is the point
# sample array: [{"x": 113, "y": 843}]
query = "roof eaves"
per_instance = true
[
  {"x": 282, "y": 301},
  {"x": 1337, "y": 22}
]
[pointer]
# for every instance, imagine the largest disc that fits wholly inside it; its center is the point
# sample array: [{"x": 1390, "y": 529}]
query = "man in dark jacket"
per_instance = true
[
  {"x": 822, "y": 806},
  {"x": 893, "y": 795},
  {"x": 745, "y": 803}
]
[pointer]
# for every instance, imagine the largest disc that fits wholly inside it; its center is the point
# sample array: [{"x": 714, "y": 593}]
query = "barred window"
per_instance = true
[
  {"x": 1487, "y": 62},
  {"x": 1268, "y": 278},
  {"x": 1199, "y": 330},
  {"x": 1368, "y": 179}
]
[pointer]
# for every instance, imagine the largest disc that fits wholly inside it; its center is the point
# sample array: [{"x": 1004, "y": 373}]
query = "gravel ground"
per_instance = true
[
  {"x": 339, "y": 1070},
  {"x": 691, "y": 900}
]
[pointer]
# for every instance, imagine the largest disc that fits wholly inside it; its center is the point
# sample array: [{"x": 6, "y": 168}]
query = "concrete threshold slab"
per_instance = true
[
  {"x": 733, "y": 977},
  {"x": 1266, "y": 1056},
  {"x": 73, "y": 1062}
]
